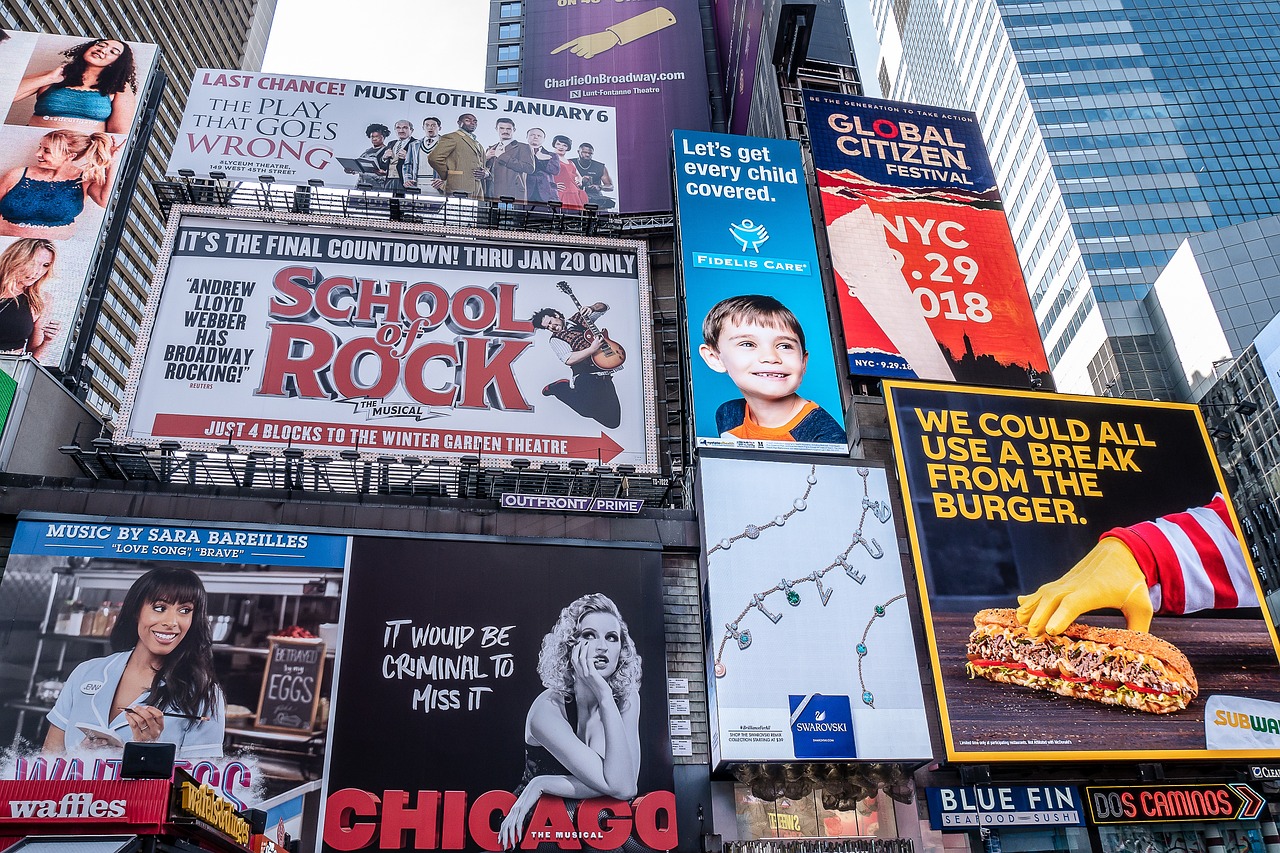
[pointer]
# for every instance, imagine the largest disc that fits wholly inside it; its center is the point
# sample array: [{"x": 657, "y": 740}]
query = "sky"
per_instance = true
[{"x": 436, "y": 43}]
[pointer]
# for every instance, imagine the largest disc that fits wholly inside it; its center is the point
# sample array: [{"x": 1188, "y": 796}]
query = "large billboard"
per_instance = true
[
  {"x": 121, "y": 631},
  {"x": 738, "y": 24},
  {"x": 511, "y": 718},
  {"x": 927, "y": 275},
  {"x": 820, "y": 664},
  {"x": 1033, "y": 520},
  {"x": 765, "y": 377},
  {"x": 386, "y": 137},
  {"x": 305, "y": 333},
  {"x": 644, "y": 59},
  {"x": 70, "y": 105}
]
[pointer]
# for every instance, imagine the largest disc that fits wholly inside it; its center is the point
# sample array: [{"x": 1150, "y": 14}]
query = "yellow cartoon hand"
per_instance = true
[
  {"x": 1108, "y": 576},
  {"x": 589, "y": 45}
]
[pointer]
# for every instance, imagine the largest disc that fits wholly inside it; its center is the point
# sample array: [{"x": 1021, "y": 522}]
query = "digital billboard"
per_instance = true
[
  {"x": 503, "y": 719},
  {"x": 134, "y": 631},
  {"x": 765, "y": 373},
  {"x": 738, "y": 31},
  {"x": 388, "y": 137},
  {"x": 927, "y": 275},
  {"x": 308, "y": 333},
  {"x": 643, "y": 59},
  {"x": 71, "y": 104},
  {"x": 1034, "y": 519},
  {"x": 810, "y": 646}
]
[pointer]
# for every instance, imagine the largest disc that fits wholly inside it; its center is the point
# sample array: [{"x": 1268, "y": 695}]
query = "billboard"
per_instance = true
[
  {"x": 91, "y": 602},
  {"x": 1267, "y": 343},
  {"x": 927, "y": 275},
  {"x": 504, "y": 719},
  {"x": 821, "y": 664},
  {"x": 1028, "y": 515},
  {"x": 738, "y": 32},
  {"x": 766, "y": 378},
  {"x": 70, "y": 105},
  {"x": 384, "y": 136},
  {"x": 644, "y": 59},
  {"x": 308, "y": 334}
]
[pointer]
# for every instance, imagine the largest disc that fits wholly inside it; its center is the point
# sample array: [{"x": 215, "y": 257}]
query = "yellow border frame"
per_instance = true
[{"x": 890, "y": 386}]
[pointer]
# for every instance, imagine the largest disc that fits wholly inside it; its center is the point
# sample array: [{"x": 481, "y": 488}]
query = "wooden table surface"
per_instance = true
[{"x": 1229, "y": 656}]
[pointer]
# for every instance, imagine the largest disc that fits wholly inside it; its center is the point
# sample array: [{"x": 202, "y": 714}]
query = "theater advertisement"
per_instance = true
[
  {"x": 300, "y": 333},
  {"x": 763, "y": 367},
  {"x": 496, "y": 696},
  {"x": 1086, "y": 590},
  {"x": 819, "y": 665},
  {"x": 70, "y": 105},
  {"x": 927, "y": 275},
  {"x": 388, "y": 137},
  {"x": 219, "y": 640},
  {"x": 643, "y": 59}
]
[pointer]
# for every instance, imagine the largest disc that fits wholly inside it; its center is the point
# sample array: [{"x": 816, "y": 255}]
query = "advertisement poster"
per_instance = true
[
  {"x": 926, "y": 271},
  {"x": 386, "y": 137},
  {"x": 764, "y": 376},
  {"x": 70, "y": 104},
  {"x": 513, "y": 686},
  {"x": 1267, "y": 343},
  {"x": 88, "y": 602},
  {"x": 304, "y": 334},
  {"x": 820, "y": 664},
  {"x": 1047, "y": 531},
  {"x": 643, "y": 59}
]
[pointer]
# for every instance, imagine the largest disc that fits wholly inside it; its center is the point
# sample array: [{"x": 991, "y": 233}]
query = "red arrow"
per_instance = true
[
  {"x": 1253, "y": 803},
  {"x": 603, "y": 448}
]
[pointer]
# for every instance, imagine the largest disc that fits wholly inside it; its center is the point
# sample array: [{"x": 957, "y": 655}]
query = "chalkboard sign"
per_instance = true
[{"x": 291, "y": 685}]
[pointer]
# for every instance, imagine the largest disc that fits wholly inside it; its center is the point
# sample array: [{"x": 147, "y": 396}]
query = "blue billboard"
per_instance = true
[{"x": 765, "y": 374}]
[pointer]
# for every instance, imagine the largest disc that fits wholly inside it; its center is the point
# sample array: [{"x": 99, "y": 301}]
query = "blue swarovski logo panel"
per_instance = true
[{"x": 822, "y": 726}]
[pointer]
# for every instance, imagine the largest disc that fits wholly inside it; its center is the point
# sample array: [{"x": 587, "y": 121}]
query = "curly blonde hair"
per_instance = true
[{"x": 554, "y": 662}]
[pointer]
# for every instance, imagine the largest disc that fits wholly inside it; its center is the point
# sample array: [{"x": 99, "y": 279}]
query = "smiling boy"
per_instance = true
[{"x": 758, "y": 342}]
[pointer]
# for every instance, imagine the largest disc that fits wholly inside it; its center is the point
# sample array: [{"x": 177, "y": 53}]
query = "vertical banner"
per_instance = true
[
  {"x": 1029, "y": 515},
  {"x": 83, "y": 598},
  {"x": 765, "y": 377},
  {"x": 301, "y": 333},
  {"x": 644, "y": 59},
  {"x": 496, "y": 695},
  {"x": 821, "y": 664},
  {"x": 927, "y": 273},
  {"x": 70, "y": 106},
  {"x": 738, "y": 25}
]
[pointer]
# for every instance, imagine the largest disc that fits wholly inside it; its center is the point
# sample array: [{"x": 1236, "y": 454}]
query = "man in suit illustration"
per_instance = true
[{"x": 458, "y": 159}]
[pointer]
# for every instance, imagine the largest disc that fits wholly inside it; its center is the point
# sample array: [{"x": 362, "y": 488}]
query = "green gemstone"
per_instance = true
[
  {"x": 879, "y": 609},
  {"x": 862, "y": 649},
  {"x": 793, "y": 597}
]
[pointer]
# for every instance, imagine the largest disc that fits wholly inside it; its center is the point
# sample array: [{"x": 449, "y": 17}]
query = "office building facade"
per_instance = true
[
  {"x": 1118, "y": 129},
  {"x": 205, "y": 33}
]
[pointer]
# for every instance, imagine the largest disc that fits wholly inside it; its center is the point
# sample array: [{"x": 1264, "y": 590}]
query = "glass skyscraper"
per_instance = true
[{"x": 1117, "y": 128}]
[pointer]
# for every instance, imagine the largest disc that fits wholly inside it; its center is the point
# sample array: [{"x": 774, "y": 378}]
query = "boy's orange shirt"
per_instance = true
[{"x": 755, "y": 432}]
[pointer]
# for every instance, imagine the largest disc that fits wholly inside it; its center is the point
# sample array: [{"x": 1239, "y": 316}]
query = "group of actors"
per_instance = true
[
  {"x": 457, "y": 162},
  {"x": 87, "y": 100}
]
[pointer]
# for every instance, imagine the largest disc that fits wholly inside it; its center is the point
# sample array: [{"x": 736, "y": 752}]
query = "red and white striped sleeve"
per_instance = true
[{"x": 1192, "y": 560}]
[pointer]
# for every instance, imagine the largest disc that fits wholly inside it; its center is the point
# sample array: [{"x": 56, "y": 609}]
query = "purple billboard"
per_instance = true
[
  {"x": 644, "y": 58},
  {"x": 738, "y": 24}
]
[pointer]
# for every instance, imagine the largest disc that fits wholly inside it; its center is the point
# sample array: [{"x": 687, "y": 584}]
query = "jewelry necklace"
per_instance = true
[
  {"x": 733, "y": 630},
  {"x": 867, "y": 696}
]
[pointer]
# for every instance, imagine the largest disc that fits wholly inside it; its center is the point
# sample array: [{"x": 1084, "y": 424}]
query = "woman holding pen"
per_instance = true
[{"x": 159, "y": 686}]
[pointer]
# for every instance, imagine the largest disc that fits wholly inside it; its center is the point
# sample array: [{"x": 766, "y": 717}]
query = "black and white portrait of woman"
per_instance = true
[{"x": 582, "y": 732}]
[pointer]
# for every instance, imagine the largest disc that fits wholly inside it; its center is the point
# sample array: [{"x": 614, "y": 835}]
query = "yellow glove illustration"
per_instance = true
[
  {"x": 623, "y": 32},
  {"x": 1108, "y": 576}
]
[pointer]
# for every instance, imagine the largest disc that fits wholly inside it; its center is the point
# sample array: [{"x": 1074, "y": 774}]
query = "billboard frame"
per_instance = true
[
  {"x": 652, "y": 463},
  {"x": 913, "y": 533}
]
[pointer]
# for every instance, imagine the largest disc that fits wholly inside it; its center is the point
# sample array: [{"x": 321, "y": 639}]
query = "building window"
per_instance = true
[
  {"x": 508, "y": 53},
  {"x": 509, "y": 10},
  {"x": 508, "y": 76},
  {"x": 509, "y": 31}
]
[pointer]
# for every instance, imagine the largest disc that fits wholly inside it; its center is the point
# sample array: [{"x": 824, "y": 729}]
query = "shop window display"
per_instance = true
[
  {"x": 1238, "y": 837},
  {"x": 806, "y": 817}
]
